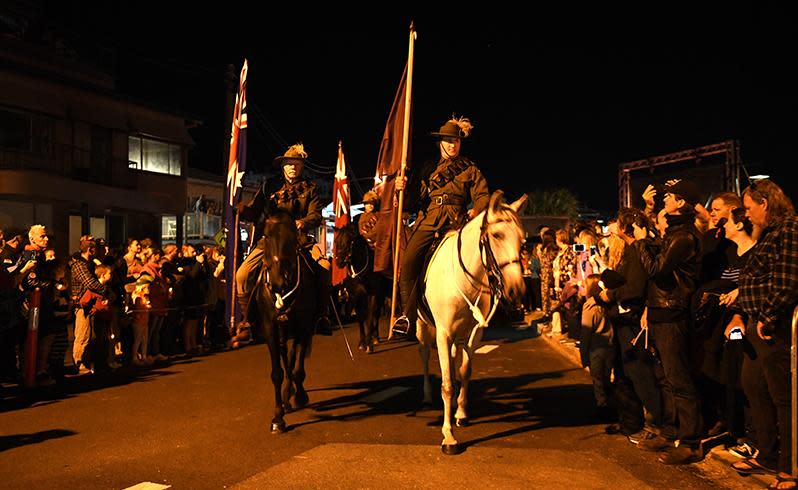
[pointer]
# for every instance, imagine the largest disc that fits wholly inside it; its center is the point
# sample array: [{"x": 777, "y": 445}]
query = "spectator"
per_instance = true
[
  {"x": 42, "y": 276},
  {"x": 597, "y": 344},
  {"x": 768, "y": 295},
  {"x": 159, "y": 299},
  {"x": 83, "y": 279},
  {"x": 672, "y": 269},
  {"x": 141, "y": 320},
  {"x": 717, "y": 250},
  {"x": 635, "y": 381}
]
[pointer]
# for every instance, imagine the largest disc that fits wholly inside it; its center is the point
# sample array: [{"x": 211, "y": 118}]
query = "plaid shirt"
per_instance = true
[
  {"x": 83, "y": 278},
  {"x": 769, "y": 281}
]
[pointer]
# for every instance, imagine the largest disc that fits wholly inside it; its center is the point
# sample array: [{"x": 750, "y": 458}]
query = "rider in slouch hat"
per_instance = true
[
  {"x": 299, "y": 197},
  {"x": 442, "y": 189}
]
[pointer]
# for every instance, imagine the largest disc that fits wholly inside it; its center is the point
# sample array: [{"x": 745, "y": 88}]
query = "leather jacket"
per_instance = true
[{"x": 673, "y": 266}]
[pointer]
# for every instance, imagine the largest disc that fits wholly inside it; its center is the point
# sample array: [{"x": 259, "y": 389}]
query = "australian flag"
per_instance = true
[{"x": 235, "y": 172}]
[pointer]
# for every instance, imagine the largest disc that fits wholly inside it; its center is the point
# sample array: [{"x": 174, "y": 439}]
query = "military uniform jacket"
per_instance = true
[
  {"x": 445, "y": 188},
  {"x": 300, "y": 198}
]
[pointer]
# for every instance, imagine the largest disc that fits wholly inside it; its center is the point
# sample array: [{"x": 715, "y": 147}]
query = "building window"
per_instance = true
[
  {"x": 154, "y": 156},
  {"x": 15, "y": 130},
  {"x": 168, "y": 228}
]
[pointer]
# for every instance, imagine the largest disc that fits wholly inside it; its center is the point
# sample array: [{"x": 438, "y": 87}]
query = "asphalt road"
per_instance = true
[{"x": 204, "y": 423}]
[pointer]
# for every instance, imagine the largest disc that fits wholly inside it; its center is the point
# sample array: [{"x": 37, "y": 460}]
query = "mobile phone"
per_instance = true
[
  {"x": 578, "y": 247},
  {"x": 736, "y": 333}
]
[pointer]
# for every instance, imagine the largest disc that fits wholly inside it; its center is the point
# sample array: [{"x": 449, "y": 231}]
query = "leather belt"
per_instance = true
[{"x": 445, "y": 200}]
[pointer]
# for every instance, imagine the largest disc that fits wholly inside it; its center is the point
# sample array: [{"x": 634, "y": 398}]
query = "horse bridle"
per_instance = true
[
  {"x": 348, "y": 259},
  {"x": 493, "y": 268}
]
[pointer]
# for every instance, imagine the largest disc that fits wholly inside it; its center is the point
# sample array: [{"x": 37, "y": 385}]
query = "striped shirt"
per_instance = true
[{"x": 769, "y": 279}]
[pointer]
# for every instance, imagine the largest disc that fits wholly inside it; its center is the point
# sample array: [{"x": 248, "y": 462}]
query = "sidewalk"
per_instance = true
[{"x": 717, "y": 461}]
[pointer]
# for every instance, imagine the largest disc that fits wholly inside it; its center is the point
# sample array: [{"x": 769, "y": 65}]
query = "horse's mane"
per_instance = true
[{"x": 504, "y": 210}]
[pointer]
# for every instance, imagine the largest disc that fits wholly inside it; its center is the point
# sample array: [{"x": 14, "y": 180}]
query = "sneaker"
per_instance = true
[
  {"x": 640, "y": 436},
  {"x": 744, "y": 451},
  {"x": 83, "y": 369},
  {"x": 656, "y": 443},
  {"x": 681, "y": 455},
  {"x": 401, "y": 325}
]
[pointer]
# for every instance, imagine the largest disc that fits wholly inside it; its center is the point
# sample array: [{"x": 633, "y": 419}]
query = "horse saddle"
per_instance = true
[{"x": 421, "y": 284}]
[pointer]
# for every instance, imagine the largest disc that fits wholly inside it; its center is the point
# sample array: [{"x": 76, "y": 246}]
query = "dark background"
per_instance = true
[{"x": 558, "y": 99}]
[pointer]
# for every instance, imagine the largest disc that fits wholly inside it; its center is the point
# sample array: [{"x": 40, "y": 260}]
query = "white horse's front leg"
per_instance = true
[
  {"x": 449, "y": 444},
  {"x": 424, "y": 346},
  {"x": 461, "y": 417}
]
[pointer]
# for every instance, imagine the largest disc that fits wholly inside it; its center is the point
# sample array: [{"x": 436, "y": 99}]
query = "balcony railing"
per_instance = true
[{"x": 72, "y": 162}]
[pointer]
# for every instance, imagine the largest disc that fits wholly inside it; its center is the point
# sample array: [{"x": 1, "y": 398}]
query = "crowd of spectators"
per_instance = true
[
  {"x": 106, "y": 307},
  {"x": 683, "y": 315}
]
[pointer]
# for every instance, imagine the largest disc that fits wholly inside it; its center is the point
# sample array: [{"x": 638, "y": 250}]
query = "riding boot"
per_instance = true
[
  {"x": 406, "y": 323},
  {"x": 243, "y": 314},
  {"x": 323, "y": 286}
]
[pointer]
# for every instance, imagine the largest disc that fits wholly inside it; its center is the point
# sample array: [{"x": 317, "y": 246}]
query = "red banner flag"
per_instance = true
[
  {"x": 388, "y": 166},
  {"x": 341, "y": 207}
]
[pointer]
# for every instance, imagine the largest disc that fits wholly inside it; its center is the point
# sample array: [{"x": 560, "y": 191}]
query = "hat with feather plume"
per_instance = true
[
  {"x": 456, "y": 127},
  {"x": 293, "y": 153}
]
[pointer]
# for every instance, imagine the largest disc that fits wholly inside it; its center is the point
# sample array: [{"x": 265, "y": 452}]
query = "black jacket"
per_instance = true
[
  {"x": 300, "y": 198},
  {"x": 672, "y": 267}
]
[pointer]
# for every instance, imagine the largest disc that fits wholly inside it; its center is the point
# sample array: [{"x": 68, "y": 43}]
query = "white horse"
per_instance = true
[{"x": 468, "y": 273}]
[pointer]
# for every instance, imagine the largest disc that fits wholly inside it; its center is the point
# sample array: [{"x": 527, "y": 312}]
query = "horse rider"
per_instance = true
[
  {"x": 367, "y": 223},
  {"x": 442, "y": 189},
  {"x": 289, "y": 192}
]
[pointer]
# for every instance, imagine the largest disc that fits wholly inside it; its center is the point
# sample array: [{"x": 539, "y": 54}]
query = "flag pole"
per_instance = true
[
  {"x": 233, "y": 263},
  {"x": 405, "y": 135}
]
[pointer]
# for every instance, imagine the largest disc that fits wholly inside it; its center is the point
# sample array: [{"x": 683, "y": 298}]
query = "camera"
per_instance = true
[
  {"x": 30, "y": 255},
  {"x": 578, "y": 247},
  {"x": 593, "y": 250},
  {"x": 736, "y": 333}
]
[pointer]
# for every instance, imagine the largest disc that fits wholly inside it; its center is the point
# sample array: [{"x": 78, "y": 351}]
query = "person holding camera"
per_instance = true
[
  {"x": 768, "y": 294},
  {"x": 42, "y": 276},
  {"x": 635, "y": 381},
  {"x": 672, "y": 268}
]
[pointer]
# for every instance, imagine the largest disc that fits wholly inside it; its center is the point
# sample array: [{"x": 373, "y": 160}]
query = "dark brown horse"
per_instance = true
[
  {"x": 286, "y": 305},
  {"x": 367, "y": 289}
]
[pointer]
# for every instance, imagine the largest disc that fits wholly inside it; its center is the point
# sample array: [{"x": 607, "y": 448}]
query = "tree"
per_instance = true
[{"x": 552, "y": 202}]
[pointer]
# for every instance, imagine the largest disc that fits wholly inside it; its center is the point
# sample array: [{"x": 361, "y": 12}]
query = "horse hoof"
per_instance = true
[
  {"x": 361, "y": 346},
  {"x": 300, "y": 402},
  {"x": 451, "y": 449},
  {"x": 369, "y": 349},
  {"x": 461, "y": 422},
  {"x": 278, "y": 427}
]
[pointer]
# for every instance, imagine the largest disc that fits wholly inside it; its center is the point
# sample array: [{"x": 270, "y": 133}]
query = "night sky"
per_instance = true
[{"x": 557, "y": 99}]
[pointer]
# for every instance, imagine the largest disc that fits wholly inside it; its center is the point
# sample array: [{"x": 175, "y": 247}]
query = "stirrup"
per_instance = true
[{"x": 401, "y": 325}]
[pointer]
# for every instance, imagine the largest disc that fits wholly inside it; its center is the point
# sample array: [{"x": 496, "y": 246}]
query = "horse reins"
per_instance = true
[
  {"x": 493, "y": 270},
  {"x": 279, "y": 300}
]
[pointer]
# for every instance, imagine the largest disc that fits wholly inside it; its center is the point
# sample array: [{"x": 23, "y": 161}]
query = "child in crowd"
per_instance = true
[
  {"x": 141, "y": 319},
  {"x": 596, "y": 347}
]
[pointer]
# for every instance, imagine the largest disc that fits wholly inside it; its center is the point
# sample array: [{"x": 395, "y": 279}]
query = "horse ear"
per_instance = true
[
  {"x": 496, "y": 200},
  {"x": 519, "y": 203}
]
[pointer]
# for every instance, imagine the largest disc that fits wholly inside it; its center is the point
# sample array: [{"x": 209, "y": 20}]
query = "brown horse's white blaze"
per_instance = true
[{"x": 458, "y": 293}]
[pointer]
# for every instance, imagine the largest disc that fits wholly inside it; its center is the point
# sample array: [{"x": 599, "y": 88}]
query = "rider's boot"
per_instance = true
[
  {"x": 405, "y": 324},
  {"x": 323, "y": 280}
]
